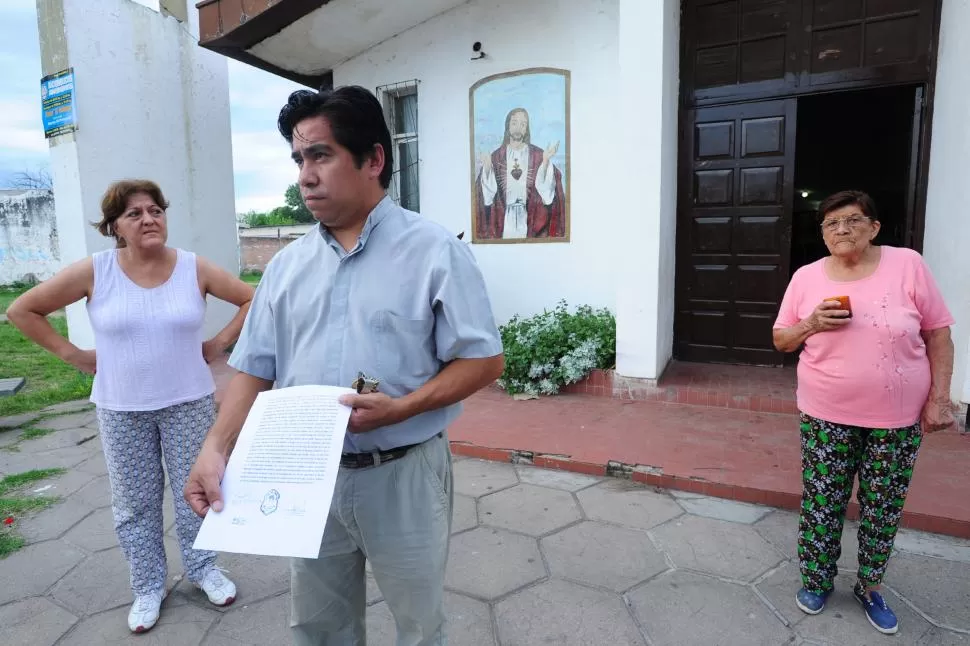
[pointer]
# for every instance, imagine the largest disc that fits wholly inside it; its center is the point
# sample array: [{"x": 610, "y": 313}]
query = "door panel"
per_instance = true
[{"x": 734, "y": 230}]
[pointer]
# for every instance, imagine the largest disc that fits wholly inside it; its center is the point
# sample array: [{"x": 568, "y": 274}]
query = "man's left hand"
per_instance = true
[
  {"x": 937, "y": 416},
  {"x": 372, "y": 411}
]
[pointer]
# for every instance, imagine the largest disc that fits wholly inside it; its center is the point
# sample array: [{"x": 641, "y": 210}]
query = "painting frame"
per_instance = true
[{"x": 475, "y": 150}]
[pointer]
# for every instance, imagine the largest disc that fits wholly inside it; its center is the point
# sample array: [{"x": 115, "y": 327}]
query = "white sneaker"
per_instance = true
[
  {"x": 220, "y": 590},
  {"x": 144, "y": 612}
]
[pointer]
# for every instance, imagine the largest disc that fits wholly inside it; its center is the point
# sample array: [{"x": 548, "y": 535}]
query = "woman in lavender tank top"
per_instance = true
[{"x": 153, "y": 388}]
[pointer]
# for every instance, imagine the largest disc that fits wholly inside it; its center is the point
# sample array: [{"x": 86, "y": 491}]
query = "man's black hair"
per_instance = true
[{"x": 355, "y": 117}]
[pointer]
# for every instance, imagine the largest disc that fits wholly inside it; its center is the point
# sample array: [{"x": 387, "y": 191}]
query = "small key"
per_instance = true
[{"x": 364, "y": 384}]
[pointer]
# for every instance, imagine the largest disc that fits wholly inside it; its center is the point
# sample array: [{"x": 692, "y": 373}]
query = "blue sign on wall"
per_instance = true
[{"x": 59, "y": 108}]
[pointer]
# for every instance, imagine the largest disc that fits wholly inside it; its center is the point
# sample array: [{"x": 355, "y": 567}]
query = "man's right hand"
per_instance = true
[
  {"x": 486, "y": 160},
  {"x": 202, "y": 489}
]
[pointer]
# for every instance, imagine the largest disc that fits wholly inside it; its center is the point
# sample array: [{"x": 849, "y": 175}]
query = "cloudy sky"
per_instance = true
[{"x": 261, "y": 161}]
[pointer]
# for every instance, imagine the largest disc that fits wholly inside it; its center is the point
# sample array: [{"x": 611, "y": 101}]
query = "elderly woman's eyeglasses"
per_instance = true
[{"x": 853, "y": 222}]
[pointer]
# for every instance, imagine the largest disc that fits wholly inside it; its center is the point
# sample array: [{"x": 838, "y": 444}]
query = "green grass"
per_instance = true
[
  {"x": 28, "y": 433},
  {"x": 20, "y": 480},
  {"x": 7, "y": 296},
  {"x": 49, "y": 380},
  {"x": 32, "y": 433},
  {"x": 15, "y": 505},
  {"x": 19, "y": 504},
  {"x": 251, "y": 276},
  {"x": 9, "y": 543}
]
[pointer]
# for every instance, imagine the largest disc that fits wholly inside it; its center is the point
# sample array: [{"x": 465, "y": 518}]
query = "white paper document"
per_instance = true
[{"x": 280, "y": 477}]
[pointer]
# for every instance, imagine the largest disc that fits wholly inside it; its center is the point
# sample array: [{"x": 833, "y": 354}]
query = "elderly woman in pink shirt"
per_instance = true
[{"x": 873, "y": 377}]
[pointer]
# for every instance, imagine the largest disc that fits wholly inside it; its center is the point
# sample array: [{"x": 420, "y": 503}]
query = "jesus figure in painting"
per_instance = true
[{"x": 519, "y": 188}]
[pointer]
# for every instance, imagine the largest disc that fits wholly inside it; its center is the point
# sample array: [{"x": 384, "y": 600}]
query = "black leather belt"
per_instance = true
[{"x": 363, "y": 460}]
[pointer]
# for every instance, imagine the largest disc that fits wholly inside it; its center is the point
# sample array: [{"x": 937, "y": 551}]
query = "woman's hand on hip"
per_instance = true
[
  {"x": 827, "y": 316},
  {"x": 84, "y": 360},
  {"x": 937, "y": 416},
  {"x": 213, "y": 349}
]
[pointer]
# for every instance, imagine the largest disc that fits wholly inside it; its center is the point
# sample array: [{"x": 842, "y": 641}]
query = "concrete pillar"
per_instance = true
[
  {"x": 646, "y": 208},
  {"x": 150, "y": 104},
  {"x": 947, "y": 234}
]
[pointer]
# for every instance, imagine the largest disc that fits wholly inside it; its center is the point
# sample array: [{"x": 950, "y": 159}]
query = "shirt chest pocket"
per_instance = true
[{"x": 405, "y": 350}]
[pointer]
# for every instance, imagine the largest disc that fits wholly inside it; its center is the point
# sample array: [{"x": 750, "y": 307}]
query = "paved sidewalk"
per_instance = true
[{"x": 538, "y": 557}]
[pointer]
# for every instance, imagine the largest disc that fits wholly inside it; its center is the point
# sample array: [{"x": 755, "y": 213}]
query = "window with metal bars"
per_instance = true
[{"x": 400, "y": 101}]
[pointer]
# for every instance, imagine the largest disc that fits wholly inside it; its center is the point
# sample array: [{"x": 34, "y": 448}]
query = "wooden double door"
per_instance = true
[{"x": 744, "y": 63}]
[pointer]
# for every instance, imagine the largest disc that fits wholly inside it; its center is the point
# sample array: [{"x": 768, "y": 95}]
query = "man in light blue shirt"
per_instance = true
[{"x": 380, "y": 290}]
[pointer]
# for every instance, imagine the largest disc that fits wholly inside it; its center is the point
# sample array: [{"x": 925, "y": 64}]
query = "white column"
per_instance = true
[
  {"x": 947, "y": 234},
  {"x": 151, "y": 104},
  {"x": 646, "y": 190}
]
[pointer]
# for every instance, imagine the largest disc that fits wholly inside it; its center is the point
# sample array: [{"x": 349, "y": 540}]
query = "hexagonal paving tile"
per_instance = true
[
  {"x": 941, "y": 637},
  {"x": 35, "y": 568},
  {"x": 33, "y": 622},
  {"x": 94, "y": 465},
  {"x": 254, "y": 624},
  {"x": 921, "y": 580},
  {"x": 96, "y": 494},
  {"x": 529, "y": 509},
  {"x": 627, "y": 503},
  {"x": 472, "y": 564},
  {"x": 687, "y": 608},
  {"x": 780, "y": 529},
  {"x": 179, "y": 623},
  {"x": 53, "y": 522},
  {"x": 843, "y": 621},
  {"x": 563, "y": 613},
  {"x": 565, "y": 480},
  {"x": 467, "y": 623},
  {"x": 67, "y": 422},
  {"x": 65, "y": 458},
  {"x": 76, "y": 406},
  {"x": 465, "y": 514},
  {"x": 716, "y": 547},
  {"x": 102, "y": 581},
  {"x": 58, "y": 440},
  {"x": 374, "y": 593},
  {"x": 944, "y": 547},
  {"x": 94, "y": 533},
  {"x": 719, "y": 508},
  {"x": 256, "y": 577},
  {"x": 479, "y": 477},
  {"x": 611, "y": 557},
  {"x": 66, "y": 484},
  {"x": 380, "y": 625}
]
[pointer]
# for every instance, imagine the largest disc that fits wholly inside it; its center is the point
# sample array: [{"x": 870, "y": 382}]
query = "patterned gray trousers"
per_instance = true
[{"x": 134, "y": 443}]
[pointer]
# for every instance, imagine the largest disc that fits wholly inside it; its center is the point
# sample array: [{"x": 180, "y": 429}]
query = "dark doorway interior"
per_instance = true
[{"x": 859, "y": 140}]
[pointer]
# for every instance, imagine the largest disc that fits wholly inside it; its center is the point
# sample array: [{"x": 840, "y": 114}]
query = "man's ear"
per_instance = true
[{"x": 376, "y": 161}]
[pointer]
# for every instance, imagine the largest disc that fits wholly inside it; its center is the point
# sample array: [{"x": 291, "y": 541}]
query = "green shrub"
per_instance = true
[
  {"x": 278, "y": 217},
  {"x": 550, "y": 350}
]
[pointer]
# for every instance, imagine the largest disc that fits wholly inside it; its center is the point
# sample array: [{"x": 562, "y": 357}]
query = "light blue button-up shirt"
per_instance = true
[{"x": 405, "y": 301}]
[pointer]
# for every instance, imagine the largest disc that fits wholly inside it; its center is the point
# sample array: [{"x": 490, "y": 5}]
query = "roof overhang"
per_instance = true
[{"x": 304, "y": 40}]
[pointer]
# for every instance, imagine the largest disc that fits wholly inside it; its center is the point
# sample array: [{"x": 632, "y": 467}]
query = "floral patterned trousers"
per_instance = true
[
  {"x": 832, "y": 455},
  {"x": 134, "y": 443}
]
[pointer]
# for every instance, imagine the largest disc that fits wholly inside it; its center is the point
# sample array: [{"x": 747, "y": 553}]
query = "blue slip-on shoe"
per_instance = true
[
  {"x": 811, "y": 603},
  {"x": 880, "y": 616}
]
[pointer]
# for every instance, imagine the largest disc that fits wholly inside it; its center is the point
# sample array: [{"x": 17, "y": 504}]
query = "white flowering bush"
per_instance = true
[{"x": 550, "y": 350}]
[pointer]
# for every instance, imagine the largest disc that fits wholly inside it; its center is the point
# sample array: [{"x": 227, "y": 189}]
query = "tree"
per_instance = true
[
  {"x": 33, "y": 179},
  {"x": 294, "y": 202}
]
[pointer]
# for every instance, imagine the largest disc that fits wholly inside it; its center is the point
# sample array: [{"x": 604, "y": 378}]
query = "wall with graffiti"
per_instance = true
[{"x": 28, "y": 237}]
